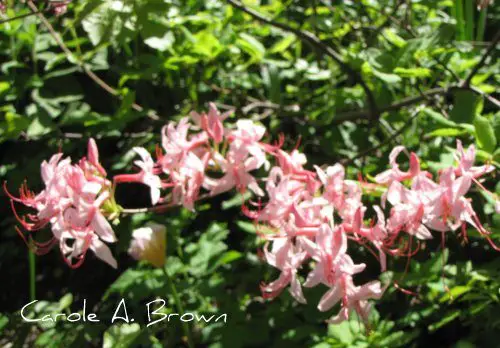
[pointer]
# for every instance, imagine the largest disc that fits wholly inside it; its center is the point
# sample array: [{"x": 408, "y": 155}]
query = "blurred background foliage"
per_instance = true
[{"x": 160, "y": 59}]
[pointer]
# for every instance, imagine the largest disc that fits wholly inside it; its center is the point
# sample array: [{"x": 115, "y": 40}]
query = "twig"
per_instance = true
[
  {"x": 479, "y": 65},
  {"x": 10, "y": 19},
  {"x": 75, "y": 60},
  {"x": 160, "y": 207},
  {"x": 386, "y": 141},
  {"x": 316, "y": 42},
  {"x": 269, "y": 105},
  {"x": 356, "y": 115},
  {"x": 491, "y": 99}
]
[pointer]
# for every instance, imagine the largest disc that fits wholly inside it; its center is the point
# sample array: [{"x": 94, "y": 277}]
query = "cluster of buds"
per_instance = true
[
  {"x": 75, "y": 200},
  {"x": 303, "y": 215}
]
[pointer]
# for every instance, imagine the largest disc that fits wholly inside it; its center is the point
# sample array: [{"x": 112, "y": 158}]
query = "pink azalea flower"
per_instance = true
[
  {"x": 328, "y": 250},
  {"x": 176, "y": 144},
  {"x": 333, "y": 184},
  {"x": 189, "y": 180},
  {"x": 147, "y": 176},
  {"x": 292, "y": 165},
  {"x": 376, "y": 234},
  {"x": 466, "y": 162},
  {"x": 451, "y": 209},
  {"x": 285, "y": 257},
  {"x": 396, "y": 174},
  {"x": 236, "y": 170},
  {"x": 408, "y": 212},
  {"x": 353, "y": 298},
  {"x": 71, "y": 203},
  {"x": 211, "y": 122},
  {"x": 93, "y": 156}
]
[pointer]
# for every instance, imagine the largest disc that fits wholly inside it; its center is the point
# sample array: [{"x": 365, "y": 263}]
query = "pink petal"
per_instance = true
[{"x": 102, "y": 251}]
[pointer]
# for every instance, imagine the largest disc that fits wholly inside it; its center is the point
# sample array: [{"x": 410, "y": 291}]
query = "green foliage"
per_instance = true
[{"x": 174, "y": 56}]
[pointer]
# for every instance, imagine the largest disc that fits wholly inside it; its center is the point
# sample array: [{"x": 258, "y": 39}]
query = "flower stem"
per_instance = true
[
  {"x": 31, "y": 258},
  {"x": 180, "y": 309}
]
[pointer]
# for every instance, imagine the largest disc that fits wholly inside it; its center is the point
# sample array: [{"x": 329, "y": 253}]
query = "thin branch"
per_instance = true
[
  {"x": 75, "y": 60},
  {"x": 491, "y": 99},
  {"x": 362, "y": 114},
  {"x": 386, "y": 141},
  {"x": 356, "y": 115},
  {"x": 10, "y": 19},
  {"x": 482, "y": 62},
  {"x": 160, "y": 207},
  {"x": 316, "y": 42}
]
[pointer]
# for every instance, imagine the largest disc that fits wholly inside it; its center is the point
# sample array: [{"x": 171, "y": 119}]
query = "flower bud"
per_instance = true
[{"x": 149, "y": 244}]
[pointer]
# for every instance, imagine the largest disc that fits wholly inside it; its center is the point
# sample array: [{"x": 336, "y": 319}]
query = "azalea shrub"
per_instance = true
[{"x": 307, "y": 173}]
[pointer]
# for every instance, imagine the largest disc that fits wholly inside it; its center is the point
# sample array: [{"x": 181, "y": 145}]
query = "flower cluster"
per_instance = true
[
  {"x": 303, "y": 205},
  {"x": 72, "y": 203},
  {"x": 303, "y": 215},
  {"x": 190, "y": 150}
]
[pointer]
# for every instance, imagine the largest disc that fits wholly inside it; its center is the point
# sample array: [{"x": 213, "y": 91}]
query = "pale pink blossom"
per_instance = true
[
  {"x": 188, "y": 181},
  {"x": 149, "y": 244},
  {"x": 148, "y": 174},
  {"x": 396, "y": 174},
  {"x": 71, "y": 202},
  {"x": 212, "y": 123},
  {"x": 466, "y": 160},
  {"x": 236, "y": 168},
  {"x": 285, "y": 257},
  {"x": 408, "y": 212}
]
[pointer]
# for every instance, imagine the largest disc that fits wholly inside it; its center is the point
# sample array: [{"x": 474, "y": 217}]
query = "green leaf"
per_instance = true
[
  {"x": 455, "y": 292},
  {"x": 4, "y": 320},
  {"x": 236, "y": 201},
  {"x": 207, "y": 44},
  {"x": 283, "y": 44},
  {"x": 464, "y": 106},
  {"x": 394, "y": 38},
  {"x": 388, "y": 78},
  {"x": 485, "y": 134},
  {"x": 413, "y": 72},
  {"x": 446, "y": 132},
  {"x": 227, "y": 257},
  {"x": 208, "y": 250},
  {"x": 65, "y": 301},
  {"x": 121, "y": 336},
  {"x": 439, "y": 118},
  {"x": 101, "y": 23},
  {"x": 450, "y": 316},
  {"x": 161, "y": 43},
  {"x": 252, "y": 46}
]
